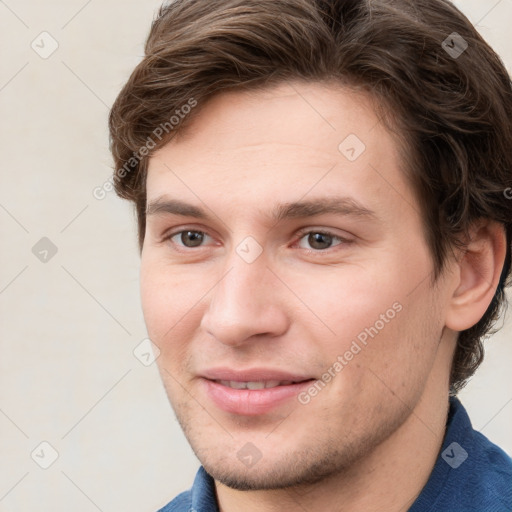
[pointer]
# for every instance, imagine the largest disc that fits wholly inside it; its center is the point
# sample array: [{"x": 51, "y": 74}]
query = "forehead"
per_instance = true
[
  {"x": 291, "y": 140},
  {"x": 304, "y": 113}
]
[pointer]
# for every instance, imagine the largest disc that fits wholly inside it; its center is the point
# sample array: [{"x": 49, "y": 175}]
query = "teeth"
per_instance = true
[
  {"x": 255, "y": 384},
  {"x": 234, "y": 384}
]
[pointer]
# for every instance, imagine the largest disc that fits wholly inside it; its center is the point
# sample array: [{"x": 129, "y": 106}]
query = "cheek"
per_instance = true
[
  {"x": 165, "y": 298},
  {"x": 373, "y": 318},
  {"x": 400, "y": 343},
  {"x": 153, "y": 300},
  {"x": 167, "y": 324},
  {"x": 173, "y": 300},
  {"x": 347, "y": 300}
]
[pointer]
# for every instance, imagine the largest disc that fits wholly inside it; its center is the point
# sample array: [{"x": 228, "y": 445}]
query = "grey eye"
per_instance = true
[
  {"x": 189, "y": 238},
  {"x": 318, "y": 241}
]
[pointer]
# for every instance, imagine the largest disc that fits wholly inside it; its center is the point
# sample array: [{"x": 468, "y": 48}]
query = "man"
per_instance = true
[{"x": 323, "y": 199}]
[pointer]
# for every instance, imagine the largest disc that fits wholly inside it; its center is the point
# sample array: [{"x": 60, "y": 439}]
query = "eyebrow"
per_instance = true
[{"x": 344, "y": 206}]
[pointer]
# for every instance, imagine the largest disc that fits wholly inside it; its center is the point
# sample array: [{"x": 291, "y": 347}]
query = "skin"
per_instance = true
[{"x": 370, "y": 437}]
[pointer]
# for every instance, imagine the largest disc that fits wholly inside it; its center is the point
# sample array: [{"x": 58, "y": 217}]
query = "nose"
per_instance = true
[{"x": 245, "y": 304}]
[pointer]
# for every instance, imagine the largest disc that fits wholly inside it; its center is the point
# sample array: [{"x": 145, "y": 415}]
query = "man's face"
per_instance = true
[{"x": 328, "y": 306}]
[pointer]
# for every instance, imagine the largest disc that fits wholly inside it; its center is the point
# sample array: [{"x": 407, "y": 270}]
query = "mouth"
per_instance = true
[
  {"x": 254, "y": 392},
  {"x": 255, "y": 384}
]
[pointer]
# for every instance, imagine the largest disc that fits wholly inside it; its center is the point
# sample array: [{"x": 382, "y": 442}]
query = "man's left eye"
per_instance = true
[{"x": 319, "y": 240}]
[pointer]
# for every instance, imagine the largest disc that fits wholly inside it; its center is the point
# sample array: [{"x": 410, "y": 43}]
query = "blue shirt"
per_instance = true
[{"x": 471, "y": 475}]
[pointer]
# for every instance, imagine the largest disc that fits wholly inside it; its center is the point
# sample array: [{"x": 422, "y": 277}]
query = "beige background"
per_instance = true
[{"x": 68, "y": 375}]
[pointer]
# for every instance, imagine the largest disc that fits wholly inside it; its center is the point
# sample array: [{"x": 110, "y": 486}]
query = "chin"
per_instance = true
[{"x": 301, "y": 468}]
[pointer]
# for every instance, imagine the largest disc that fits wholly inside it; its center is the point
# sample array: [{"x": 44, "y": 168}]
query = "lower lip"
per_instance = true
[{"x": 251, "y": 402}]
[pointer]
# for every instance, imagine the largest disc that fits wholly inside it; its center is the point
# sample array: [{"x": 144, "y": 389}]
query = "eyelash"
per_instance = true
[{"x": 301, "y": 234}]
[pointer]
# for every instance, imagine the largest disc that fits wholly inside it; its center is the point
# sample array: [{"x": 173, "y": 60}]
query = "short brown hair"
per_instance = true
[{"x": 452, "y": 109}]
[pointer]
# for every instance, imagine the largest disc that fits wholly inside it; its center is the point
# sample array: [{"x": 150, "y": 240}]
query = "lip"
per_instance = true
[
  {"x": 251, "y": 402},
  {"x": 252, "y": 374}
]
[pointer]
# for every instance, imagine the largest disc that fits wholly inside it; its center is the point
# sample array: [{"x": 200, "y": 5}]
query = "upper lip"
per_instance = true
[{"x": 253, "y": 375}]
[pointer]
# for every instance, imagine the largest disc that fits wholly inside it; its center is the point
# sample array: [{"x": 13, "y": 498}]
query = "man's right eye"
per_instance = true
[{"x": 187, "y": 238}]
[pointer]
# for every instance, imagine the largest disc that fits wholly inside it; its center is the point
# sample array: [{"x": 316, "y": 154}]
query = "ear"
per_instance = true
[{"x": 478, "y": 270}]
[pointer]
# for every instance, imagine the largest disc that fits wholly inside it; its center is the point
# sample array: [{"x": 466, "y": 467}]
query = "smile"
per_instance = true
[
  {"x": 252, "y": 397},
  {"x": 254, "y": 384}
]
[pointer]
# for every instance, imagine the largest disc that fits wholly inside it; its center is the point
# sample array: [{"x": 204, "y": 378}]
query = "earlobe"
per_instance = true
[{"x": 479, "y": 268}]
